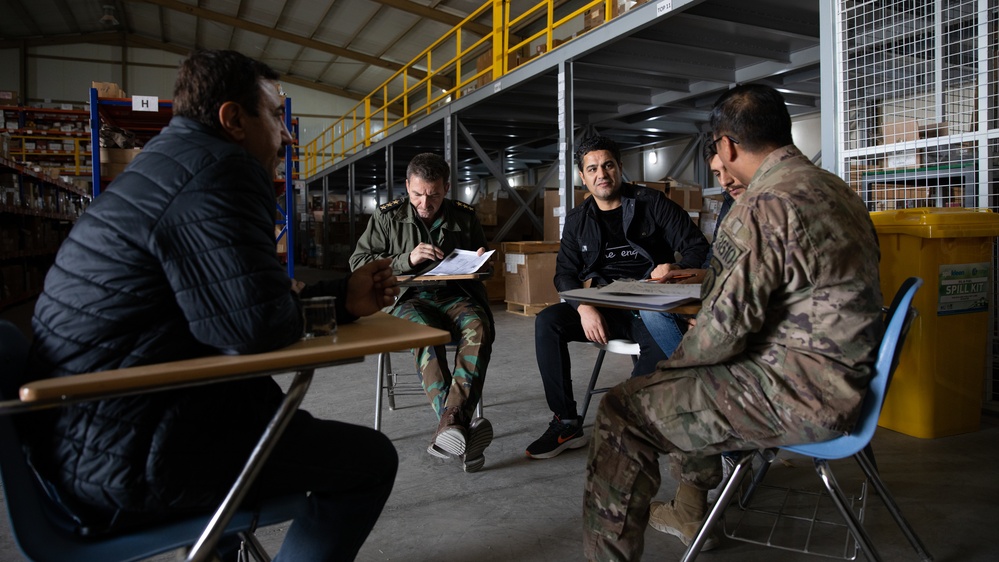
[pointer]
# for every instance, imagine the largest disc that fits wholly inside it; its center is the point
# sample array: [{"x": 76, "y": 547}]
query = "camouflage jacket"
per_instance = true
[
  {"x": 792, "y": 300},
  {"x": 396, "y": 229}
]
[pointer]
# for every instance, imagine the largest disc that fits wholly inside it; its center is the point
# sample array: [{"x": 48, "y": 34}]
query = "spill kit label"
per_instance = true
[{"x": 963, "y": 288}]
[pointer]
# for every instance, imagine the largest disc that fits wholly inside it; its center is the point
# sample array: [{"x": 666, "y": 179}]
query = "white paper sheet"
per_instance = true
[{"x": 460, "y": 262}]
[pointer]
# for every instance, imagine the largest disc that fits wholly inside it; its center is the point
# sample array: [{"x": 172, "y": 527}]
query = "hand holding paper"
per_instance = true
[{"x": 461, "y": 262}]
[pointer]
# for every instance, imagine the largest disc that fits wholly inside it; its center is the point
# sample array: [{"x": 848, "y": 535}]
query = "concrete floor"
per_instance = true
[{"x": 517, "y": 509}]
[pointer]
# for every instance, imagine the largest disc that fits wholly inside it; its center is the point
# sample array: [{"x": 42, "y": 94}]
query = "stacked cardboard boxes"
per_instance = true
[
  {"x": 485, "y": 61},
  {"x": 895, "y": 131},
  {"x": 687, "y": 195},
  {"x": 530, "y": 274}
]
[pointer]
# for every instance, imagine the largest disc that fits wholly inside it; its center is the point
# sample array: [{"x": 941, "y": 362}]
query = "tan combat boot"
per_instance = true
[{"x": 683, "y": 516}]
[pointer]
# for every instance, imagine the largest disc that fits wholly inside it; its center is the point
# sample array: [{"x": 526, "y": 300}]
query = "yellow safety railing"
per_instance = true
[{"x": 441, "y": 73}]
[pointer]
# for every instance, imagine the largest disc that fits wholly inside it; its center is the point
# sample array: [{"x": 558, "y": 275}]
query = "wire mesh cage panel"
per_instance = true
[{"x": 918, "y": 110}]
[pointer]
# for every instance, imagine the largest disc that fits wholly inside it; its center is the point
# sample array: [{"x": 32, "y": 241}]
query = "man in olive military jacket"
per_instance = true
[{"x": 414, "y": 231}]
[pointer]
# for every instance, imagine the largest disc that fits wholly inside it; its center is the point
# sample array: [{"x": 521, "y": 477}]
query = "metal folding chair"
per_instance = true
[
  {"x": 622, "y": 347},
  {"x": 899, "y": 318},
  {"x": 387, "y": 384},
  {"x": 45, "y": 532}
]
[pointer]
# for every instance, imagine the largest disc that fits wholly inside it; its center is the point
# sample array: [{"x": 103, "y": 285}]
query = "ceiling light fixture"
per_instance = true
[
  {"x": 108, "y": 18},
  {"x": 653, "y": 158}
]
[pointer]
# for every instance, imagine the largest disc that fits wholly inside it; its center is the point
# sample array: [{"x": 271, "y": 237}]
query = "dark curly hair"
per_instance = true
[{"x": 590, "y": 144}]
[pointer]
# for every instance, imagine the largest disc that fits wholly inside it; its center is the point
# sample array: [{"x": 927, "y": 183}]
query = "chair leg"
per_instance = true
[
  {"x": 390, "y": 381},
  {"x": 382, "y": 370},
  {"x": 768, "y": 456},
  {"x": 251, "y": 547},
  {"x": 859, "y": 533},
  {"x": 721, "y": 504},
  {"x": 879, "y": 486},
  {"x": 869, "y": 453},
  {"x": 593, "y": 382}
]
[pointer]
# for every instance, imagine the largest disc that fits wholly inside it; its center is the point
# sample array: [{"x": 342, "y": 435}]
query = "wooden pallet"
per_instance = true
[{"x": 526, "y": 309}]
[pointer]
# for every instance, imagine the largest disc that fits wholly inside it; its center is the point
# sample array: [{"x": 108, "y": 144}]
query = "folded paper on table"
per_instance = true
[
  {"x": 651, "y": 287},
  {"x": 656, "y": 296}
]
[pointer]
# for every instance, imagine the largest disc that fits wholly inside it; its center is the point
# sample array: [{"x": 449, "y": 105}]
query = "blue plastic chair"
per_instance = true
[
  {"x": 45, "y": 533},
  {"x": 899, "y": 318}
]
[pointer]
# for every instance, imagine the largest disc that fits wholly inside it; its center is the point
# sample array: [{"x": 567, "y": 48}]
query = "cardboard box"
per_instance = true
[
  {"x": 282, "y": 244},
  {"x": 118, "y": 155},
  {"x": 543, "y": 47},
  {"x": 593, "y": 17},
  {"x": 550, "y": 219},
  {"x": 485, "y": 60},
  {"x": 115, "y": 160},
  {"x": 530, "y": 272},
  {"x": 8, "y": 97},
  {"x": 903, "y": 130},
  {"x": 687, "y": 195},
  {"x": 891, "y": 196},
  {"x": 893, "y": 131},
  {"x": 108, "y": 90}
]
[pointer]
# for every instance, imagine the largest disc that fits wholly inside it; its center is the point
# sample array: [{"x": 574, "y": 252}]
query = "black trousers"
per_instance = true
[
  {"x": 560, "y": 324},
  {"x": 349, "y": 471}
]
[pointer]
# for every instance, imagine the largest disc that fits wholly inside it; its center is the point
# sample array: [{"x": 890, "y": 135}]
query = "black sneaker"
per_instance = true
[{"x": 559, "y": 437}]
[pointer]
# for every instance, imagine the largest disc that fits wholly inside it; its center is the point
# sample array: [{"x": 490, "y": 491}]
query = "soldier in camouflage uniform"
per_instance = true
[
  {"x": 781, "y": 351},
  {"x": 414, "y": 231}
]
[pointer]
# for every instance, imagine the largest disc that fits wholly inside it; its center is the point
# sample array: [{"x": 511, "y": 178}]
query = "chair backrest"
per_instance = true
[{"x": 899, "y": 319}]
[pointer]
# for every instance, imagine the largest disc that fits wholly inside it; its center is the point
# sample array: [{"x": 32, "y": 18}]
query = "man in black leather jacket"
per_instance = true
[
  {"x": 622, "y": 231},
  {"x": 177, "y": 259}
]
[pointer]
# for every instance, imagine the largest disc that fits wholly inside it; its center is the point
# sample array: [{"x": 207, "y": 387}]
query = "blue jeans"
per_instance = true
[{"x": 666, "y": 328}]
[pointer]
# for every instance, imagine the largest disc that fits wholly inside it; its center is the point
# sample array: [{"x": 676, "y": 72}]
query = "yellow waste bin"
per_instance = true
[{"x": 938, "y": 387}]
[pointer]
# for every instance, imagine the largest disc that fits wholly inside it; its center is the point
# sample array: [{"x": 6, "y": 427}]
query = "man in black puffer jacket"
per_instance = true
[{"x": 177, "y": 260}]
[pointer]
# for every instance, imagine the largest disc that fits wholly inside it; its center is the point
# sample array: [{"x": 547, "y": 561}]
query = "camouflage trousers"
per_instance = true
[
  {"x": 674, "y": 413},
  {"x": 472, "y": 330}
]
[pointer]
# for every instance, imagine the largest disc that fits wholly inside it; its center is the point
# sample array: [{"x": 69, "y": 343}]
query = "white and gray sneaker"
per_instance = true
[
  {"x": 480, "y": 435},
  {"x": 451, "y": 437},
  {"x": 435, "y": 451}
]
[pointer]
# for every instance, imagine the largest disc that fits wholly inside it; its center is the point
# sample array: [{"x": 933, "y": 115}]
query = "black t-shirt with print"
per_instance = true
[{"x": 618, "y": 260}]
